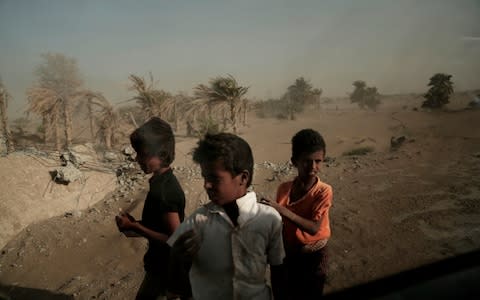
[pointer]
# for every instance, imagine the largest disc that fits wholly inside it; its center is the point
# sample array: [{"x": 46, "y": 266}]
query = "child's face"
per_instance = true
[
  {"x": 221, "y": 186},
  {"x": 308, "y": 165},
  {"x": 148, "y": 163}
]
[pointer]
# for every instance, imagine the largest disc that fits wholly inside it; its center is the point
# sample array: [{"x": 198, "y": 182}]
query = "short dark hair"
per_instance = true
[
  {"x": 307, "y": 141},
  {"x": 155, "y": 137},
  {"x": 232, "y": 150}
]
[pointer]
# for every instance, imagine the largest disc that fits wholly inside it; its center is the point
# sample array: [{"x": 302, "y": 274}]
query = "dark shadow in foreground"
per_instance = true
[
  {"x": 453, "y": 278},
  {"x": 11, "y": 292}
]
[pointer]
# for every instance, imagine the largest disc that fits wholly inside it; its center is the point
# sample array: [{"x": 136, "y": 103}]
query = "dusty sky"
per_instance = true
[{"x": 395, "y": 45}]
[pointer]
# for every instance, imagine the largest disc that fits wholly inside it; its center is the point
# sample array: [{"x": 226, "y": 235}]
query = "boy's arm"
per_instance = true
[
  {"x": 309, "y": 226},
  {"x": 184, "y": 243},
  {"x": 126, "y": 222}
]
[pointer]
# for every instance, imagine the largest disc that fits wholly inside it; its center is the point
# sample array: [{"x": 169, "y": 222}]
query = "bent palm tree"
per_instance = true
[
  {"x": 47, "y": 104},
  {"x": 152, "y": 101},
  {"x": 223, "y": 90},
  {"x": 102, "y": 111}
]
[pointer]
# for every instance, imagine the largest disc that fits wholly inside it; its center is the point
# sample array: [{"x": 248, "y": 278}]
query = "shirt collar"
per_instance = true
[{"x": 247, "y": 207}]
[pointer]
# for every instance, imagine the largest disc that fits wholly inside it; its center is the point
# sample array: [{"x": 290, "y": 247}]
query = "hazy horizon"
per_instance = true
[{"x": 393, "y": 45}]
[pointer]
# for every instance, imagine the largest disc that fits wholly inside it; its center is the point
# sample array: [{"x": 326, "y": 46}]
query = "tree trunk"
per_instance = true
[
  {"x": 175, "y": 121},
  {"x": 233, "y": 116},
  {"x": 90, "y": 116},
  {"x": 5, "y": 128},
  {"x": 46, "y": 129},
  {"x": 245, "y": 114},
  {"x": 68, "y": 123},
  {"x": 56, "y": 131},
  {"x": 108, "y": 137}
]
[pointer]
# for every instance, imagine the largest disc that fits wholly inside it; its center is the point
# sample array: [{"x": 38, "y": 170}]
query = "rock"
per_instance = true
[
  {"x": 66, "y": 174},
  {"x": 395, "y": 143},
  {"x": 80, "y": 154},
  {"x": 110, "y": 156},
  {"x": 128, "y": 150}
]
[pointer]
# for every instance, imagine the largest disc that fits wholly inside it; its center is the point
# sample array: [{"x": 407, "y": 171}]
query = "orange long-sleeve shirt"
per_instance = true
[{"x": 314, "y": 205}]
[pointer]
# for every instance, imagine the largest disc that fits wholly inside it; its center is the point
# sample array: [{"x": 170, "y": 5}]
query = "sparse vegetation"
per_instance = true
[{"x": 441, "y": 87}]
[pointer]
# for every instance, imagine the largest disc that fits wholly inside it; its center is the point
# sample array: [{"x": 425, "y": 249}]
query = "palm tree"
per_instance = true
[
  {"x": 102, "y": 112},
  {"x": 152, "y": 101},
  {"x": 223, "y": 90},
  {"x": 47, "y": 104},
  {"x": 4, "y": 97},
  {"x": 441, "y": 87},
  {"x": 58, "y": 81}
]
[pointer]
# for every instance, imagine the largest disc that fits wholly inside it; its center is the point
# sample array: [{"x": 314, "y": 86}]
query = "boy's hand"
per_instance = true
[
  {"x": 187, "y": 244},
  {"x": 125, "y": 221},
  {"x": 271, "y": 203}
]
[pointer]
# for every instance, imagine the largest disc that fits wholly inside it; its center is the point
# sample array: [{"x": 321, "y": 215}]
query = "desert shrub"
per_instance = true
[{"x": 359, "y": 151}]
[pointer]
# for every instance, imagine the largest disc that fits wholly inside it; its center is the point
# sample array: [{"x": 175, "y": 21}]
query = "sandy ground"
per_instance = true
[{"x": 393, "y": 210}]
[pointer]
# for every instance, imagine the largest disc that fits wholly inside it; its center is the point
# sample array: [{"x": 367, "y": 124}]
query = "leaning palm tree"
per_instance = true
[
  {"x": 47, "y": 104},
  {"x": 100, "y": 111},
  {"x": 152, "y": 101},
  {"x": 4, "y": 97},
  {"x": 223, "y": 90}
]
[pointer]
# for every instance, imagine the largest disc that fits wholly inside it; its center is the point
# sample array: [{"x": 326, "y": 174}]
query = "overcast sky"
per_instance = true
[{"x": 395, "y": 45}]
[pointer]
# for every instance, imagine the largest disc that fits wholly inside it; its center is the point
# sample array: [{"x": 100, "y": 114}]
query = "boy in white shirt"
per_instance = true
[{"x": 232, "y": 239}]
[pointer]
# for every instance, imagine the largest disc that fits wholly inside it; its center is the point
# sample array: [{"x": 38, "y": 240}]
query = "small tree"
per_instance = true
[
  {"x": 297, "y": 96},
  {"x": 317, "y": 93},
  {"x": 441, "y": 87},
  {"x": 372, "y": 98},
  {"x": 365, "y": 97}
]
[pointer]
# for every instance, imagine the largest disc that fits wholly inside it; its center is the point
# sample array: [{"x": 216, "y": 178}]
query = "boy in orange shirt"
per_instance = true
[{"x": 304, "y": 205}]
